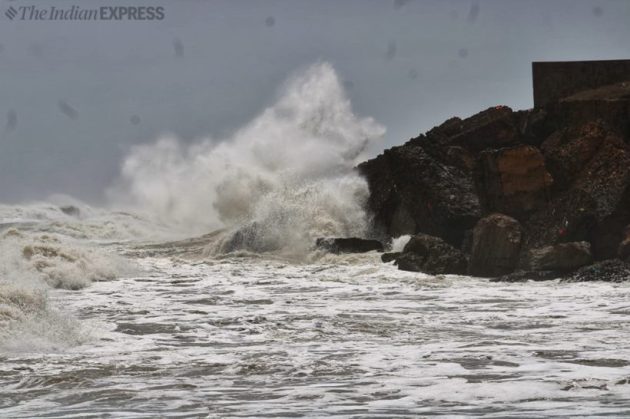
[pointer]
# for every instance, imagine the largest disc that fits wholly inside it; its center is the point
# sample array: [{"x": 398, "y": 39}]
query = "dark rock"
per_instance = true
[
  {"x": 562, "y": 170},
  {"x": 431, "y": 255},
  {"x": 349, "y": 245},
  {"x": 411, "y": 191},
  {"x": 496, "y": 246},
  {"x": 569, "y": 217},
  {"x": 563, "y": 257},
  {"x": 524, "y": 276},
  {"x": 389, "y": 257},
  {"x": 612, "y": 270},
  {"x": 495, "y": 127},
  {"x": 568, "y": 150},
  {"x": 534, "y": 126},
  {"x": 592, "y": 198},
  {"x": 623, "y": 251},
  {"x": 514, "y": 180}
]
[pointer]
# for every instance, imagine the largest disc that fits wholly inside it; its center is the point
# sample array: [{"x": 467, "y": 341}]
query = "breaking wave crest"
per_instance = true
[
  {"x": 31, "y": 263},
  {"x": 276, "y": 184}
]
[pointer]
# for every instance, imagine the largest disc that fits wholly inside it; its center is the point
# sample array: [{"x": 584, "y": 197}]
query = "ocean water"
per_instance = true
[{"x": 168, "y": 331}]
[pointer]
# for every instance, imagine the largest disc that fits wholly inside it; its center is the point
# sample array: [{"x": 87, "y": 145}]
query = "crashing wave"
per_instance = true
[{"x": 282, "y": 180}]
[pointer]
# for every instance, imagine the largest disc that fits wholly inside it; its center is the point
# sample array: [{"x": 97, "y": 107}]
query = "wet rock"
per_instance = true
[
  {"x": 495, "y": 127},
  {"x": 623, "y": 251},
  {"x": 389, "y": 257},
  {"x": 496, "y": 246},
  {"x": 412, "y": 191},
  {"x": 606, "y": 178},
  {"x": 514, "y": 180},
  {"x": 563, "y": 257},
  {"x": 534, "y": 126},
  {"x": 524, "y": 276},
  {"x": 592, "y": 198},
  {"x": 612, "y": 270},
  {"x": 431, "y": 255},
  {"x": 349, "y": 245},
  {"x": 568, "y": 150},
  {"x": 569, "y": 217}
]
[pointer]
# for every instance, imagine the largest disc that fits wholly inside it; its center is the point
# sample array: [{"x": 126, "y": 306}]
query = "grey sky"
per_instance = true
[{"x": 74, "y": 96}]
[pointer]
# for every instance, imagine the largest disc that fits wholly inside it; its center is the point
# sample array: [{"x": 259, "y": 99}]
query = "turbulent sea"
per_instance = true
[
  {"x": 139, "y": 311},
  {"x": 95, "y": 327}
]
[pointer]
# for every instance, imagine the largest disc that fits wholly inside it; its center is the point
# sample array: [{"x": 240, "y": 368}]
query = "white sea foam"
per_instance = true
[
  {"x": 30, "y": 263},
  {"x": 399, "y": 243},
  {"x": 278, "y": 182}
]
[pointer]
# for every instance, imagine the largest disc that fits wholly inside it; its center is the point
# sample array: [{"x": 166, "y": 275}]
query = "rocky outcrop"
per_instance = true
[
  {"x": 348, "y": 245},
  {"x": 612, "y": 270},
  {"x": 431, "y": 255},
  {"x": 412, "y": 191},
  {"x": 496, "y": 245},
  {"x": 562, "y": 171},
  {"x": 564, "y": 257},
  {"x": 428, "y": 184}
]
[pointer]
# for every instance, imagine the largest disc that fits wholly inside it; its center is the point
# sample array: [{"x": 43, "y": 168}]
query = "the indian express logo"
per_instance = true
[{"x": 104, "y": 13}]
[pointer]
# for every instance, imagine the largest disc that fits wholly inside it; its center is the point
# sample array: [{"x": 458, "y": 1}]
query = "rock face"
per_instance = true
[
  {"x": 411, "y": 191},
  {"x": 562, "y": 257},
  {"x": 496, "y": 246},
  {"x": 349, "y": 245},
  {"x": 431, "y": 255},
  {"x": 427, "y": 185},
  {"x": 623, "y": 250},
  {"x": 514, "y": 180}
]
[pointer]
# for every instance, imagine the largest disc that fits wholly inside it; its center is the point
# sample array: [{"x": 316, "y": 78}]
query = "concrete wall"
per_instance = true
[{"x": 557, "y": 80}]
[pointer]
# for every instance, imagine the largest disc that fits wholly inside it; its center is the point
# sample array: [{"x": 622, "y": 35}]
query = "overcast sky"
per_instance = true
[{"x": 75, "y": 96}]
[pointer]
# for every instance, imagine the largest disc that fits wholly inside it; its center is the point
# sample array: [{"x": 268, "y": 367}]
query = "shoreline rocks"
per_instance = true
[
  {"x": 496, "y": 246},
  {"x": 348, "y": 245},
  {"x": 431, "y": 255},
  {"x": 545, "y": 190},
  {"x": 564, "y": 257}
]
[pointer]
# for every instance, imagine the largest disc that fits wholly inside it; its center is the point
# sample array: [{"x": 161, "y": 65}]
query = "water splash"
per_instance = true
[{"x": 278, "y": 182}]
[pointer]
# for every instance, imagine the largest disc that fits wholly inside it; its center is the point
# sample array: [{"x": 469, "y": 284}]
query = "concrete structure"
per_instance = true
[{"x": 556, "y": 80}]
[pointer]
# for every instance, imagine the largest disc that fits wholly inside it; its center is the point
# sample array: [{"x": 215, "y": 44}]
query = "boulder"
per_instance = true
[
  {"x": 564, "y": 257},
  {"x": 514, "y": 180},
  {"x": 431, "y": 255},
  {"x": 389, "y": 257},
  {"x": 496, "y": 245},
  {"x": 623, "y": 251},
  {"x": 494, "y": 127},
  {"x": 612, "y": 270},
  {"x": 349, "y": 245},
  {"x": 524, "y": 276}
]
